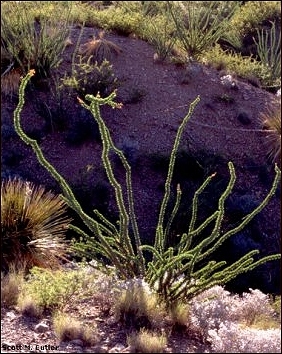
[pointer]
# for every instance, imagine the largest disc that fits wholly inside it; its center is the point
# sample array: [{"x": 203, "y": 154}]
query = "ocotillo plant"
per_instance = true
[{"x": 172, "y": 271}]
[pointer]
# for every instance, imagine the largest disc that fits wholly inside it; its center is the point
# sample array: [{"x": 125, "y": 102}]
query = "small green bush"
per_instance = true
[
  {"x": 87, "y": 78},
  {"x": 52, "y": 290},
  {"x": 269, "y": 52},
  {"x": 244, "y": 67},
  {"x": 252, "y": 14}
]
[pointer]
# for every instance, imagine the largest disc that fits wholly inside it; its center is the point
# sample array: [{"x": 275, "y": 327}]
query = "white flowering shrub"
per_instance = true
[
  {"x": 210, "y": 309},
  {"x": 232, "y": 338}
]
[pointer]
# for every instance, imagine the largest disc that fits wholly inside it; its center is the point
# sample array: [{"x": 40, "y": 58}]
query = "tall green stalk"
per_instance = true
[{"x": 174, "y": 272}]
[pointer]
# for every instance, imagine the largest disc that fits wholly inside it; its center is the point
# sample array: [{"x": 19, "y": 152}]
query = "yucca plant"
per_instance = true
[
  {"x": 199, "y": 25},
  {"x": 33, "y": 226},
  {"x": 99, "y": 49},
  {"x": 32, "y": 37},
  {"x": 271, "y": 121},
  {"x": 269, "y": 52}
]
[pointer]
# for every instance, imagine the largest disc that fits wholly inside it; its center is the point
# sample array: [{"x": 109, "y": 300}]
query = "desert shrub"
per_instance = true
[
  {"x": 68, "y": 328},
  {"x": 245, "y": 67},
  {"x": 180, "y": 316},
  {"x": 123, "y": 18},
  {"x": 232, "y": 338},
  {"x": 176, "y": 273},
  {"x": 134, "y": 94},
  {"x": 145, "y": 341},
  {"x": 31, "y": 39},
  {"x": 10, "y": 82},
  {"x": 199, "y": 25},
  {"x": 269, "y": 53},
  {"x": 33, "y": 225},
  {"x": 87, "y": 78},
  {"x": 53, "y": 290},
  {"x": 271, "y": 121},
  {"x": 253, "y": 14},
  {"x": 216, "y": 307}
]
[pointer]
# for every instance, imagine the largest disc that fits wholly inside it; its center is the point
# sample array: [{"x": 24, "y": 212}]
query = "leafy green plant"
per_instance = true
[
  {"x": 269, "y": 52},
  {"x": 124, "y": 17},
  {"x": 246, "y": 67},
  {"x": 56, "y": 289},
  {"x": 252, "y": 14},
  {"x": 89, "y": 78},
  {"x": 176, "y": 273},
  {"x": 33, "y": 225},
  {"x": 33, "y": 41},
  {"x": 199, "y": 25}
]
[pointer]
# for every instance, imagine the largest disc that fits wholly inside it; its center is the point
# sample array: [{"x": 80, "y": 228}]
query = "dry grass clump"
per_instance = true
[
  {"x": 99, "y": 49},
  {"x": 271, "y": 121},
  {"x": 10, "y": 287},
  {"x": 135, "y": 307},
  {"x": 10, "y": 82},
  {"x": 179, "y": 315},
  {"x": 67, "y": 328},
  {"x": 29, "y": 307},
  {"x": 147, "y": 342}
]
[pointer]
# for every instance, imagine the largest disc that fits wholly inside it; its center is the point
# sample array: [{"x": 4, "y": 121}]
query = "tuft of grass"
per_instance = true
[
  {"x": 147, "y": 342},
  {"x": 99, "y": 49},
  {"x": 29, "y": 306},
  {"x": 68, "y": 328},
  {"x": 179, "y": 314},
  {"x": 33, "y": 225},
  {"x": 10, "y": 287},
  {"x": 271, "y": 121},
  {"x": 10, "y": 82},
  {"x": 136, "y": 308}
]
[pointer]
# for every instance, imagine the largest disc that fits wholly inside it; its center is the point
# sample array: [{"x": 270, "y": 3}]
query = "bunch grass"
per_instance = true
[
  {"x": 146, "y": 341},
  {"x": 33, "y": 226}
]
